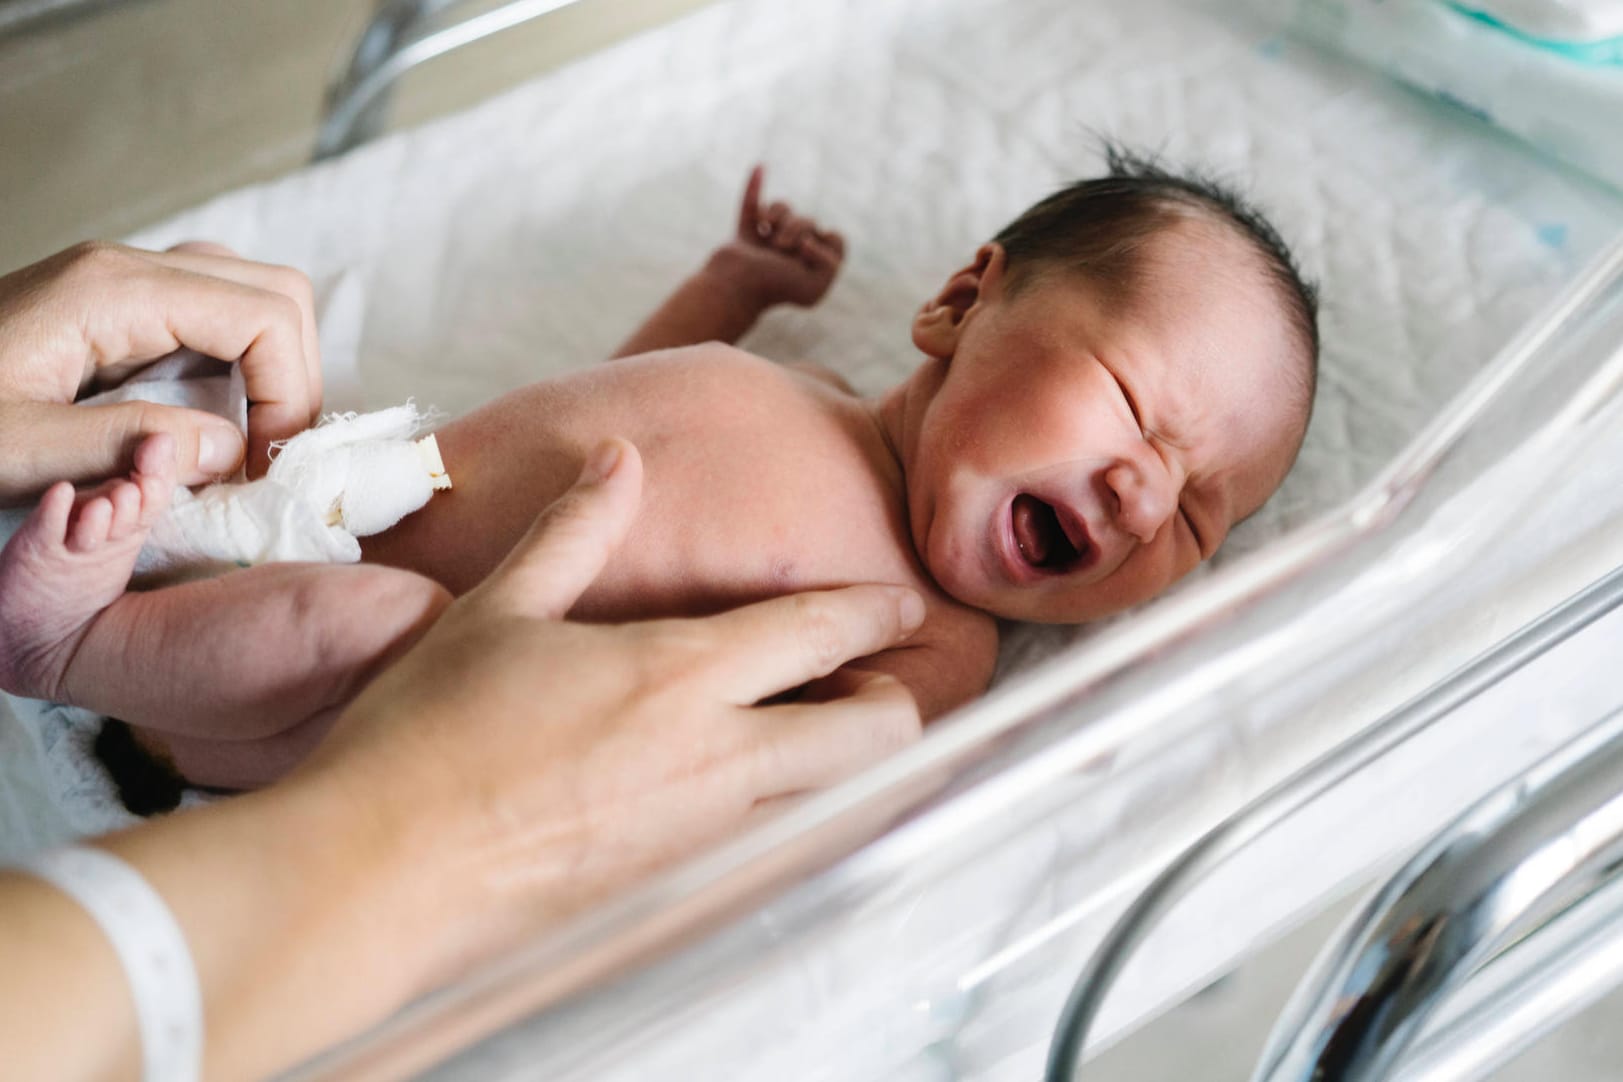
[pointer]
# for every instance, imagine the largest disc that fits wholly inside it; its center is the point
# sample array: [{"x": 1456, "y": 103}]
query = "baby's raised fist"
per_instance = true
[{"x": 778, "y": 256}]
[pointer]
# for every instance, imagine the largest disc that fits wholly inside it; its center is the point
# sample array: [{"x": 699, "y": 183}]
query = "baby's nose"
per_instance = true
[{"x": 1144, "y": 498}]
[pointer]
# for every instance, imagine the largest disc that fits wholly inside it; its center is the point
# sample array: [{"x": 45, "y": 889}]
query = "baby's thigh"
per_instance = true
[
  {"x": 260, "y": 662},
  {"x": 331, "y": 628},
  {"x": 257, "y": 652}
]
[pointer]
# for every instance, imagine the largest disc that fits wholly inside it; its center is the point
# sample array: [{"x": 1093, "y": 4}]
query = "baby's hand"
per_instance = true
[{"x": 778, "y": 256}]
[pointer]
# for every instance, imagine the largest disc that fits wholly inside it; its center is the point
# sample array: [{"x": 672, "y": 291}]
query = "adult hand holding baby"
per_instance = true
[
  {"x": 507, "y": 772},
  {"x": 554, "y": 762},
  {"x": 97, "y": 312}
]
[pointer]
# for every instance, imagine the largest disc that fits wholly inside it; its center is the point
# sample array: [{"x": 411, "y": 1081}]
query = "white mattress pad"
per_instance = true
[{"x": 528, "y": 236}]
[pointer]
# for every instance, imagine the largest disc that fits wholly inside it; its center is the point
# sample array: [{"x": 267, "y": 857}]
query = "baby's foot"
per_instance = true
[{"x": 70, "y": 560}]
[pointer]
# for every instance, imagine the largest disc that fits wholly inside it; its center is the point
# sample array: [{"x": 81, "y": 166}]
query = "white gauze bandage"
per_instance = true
[{"x": 352, "y": 476}]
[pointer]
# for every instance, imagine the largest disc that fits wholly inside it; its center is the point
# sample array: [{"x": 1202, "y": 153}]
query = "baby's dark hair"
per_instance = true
[{"x": 1102, "y": 227}]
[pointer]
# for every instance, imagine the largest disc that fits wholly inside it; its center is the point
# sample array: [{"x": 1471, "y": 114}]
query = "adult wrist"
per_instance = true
[
  {"x": 152, "y": 951},
  {"x": 303, "y": 915}
]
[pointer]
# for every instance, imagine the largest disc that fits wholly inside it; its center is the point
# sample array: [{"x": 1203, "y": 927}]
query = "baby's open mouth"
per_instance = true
[{"x": 1042, "y": 538}]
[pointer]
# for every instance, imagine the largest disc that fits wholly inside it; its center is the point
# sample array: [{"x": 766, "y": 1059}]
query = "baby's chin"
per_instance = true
[
  {"x": 1033, "y": 604},
  {"x": 1033, "y": 610},
  {"x": 956, "y": 568},
  {"x": 1027, "y": 604}
]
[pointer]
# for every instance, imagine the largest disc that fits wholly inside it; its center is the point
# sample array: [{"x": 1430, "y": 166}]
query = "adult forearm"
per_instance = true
[
  {"x": 300, "y": 920},
  {"x": 65, "y": 1009},
  {"x": 709, "y": 307}
]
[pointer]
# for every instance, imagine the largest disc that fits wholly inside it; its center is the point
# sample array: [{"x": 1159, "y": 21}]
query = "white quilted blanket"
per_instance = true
[{"x": 531, "y": 234}]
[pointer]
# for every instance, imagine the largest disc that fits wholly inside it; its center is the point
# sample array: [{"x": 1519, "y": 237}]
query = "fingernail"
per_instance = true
[
  {"x": 218, "y": 449},
  {"x": 911, "y": 610},
  {"x": 602, "y": 462}
]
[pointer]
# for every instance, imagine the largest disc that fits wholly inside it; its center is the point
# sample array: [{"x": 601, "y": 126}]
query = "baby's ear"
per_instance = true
[{"x": 938, "y": 324}]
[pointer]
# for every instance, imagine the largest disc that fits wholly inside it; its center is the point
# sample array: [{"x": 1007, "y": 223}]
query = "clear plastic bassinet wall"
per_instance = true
[{"x": 925, "y": 920}]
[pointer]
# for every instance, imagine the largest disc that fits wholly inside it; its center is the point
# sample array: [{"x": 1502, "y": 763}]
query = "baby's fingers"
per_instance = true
[
  {"x": 749, "y": 212},
  {"x": 795, "y": 230},
  {"x": 817, "y": 254}
]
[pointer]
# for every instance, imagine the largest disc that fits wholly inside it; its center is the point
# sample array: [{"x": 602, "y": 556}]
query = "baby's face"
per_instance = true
[{"x": 1076, "y": 458}]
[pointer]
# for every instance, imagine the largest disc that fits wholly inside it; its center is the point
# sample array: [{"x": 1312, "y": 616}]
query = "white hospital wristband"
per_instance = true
[{"x": 162, "y": 975}]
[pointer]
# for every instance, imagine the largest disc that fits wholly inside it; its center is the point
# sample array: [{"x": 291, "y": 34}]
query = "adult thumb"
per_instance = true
[
  {"x": 569, "y": 543},
  {"x": 91, "y": 443}
]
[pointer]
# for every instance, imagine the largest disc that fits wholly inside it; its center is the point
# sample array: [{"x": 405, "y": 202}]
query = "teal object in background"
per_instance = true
[
  {"x": 1565, "y": 106},
  {"x": 1608, "y": 53}
]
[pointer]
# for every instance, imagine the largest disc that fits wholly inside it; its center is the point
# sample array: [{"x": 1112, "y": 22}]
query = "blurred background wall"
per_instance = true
[{"x": 128, "y": 110}]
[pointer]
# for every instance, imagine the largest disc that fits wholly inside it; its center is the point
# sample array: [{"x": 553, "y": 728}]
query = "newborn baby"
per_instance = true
[{"x": 1108, "y": 386}]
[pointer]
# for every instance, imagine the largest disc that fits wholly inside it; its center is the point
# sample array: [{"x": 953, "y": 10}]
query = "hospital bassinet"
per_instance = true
[{"x": 926, "y": 920}]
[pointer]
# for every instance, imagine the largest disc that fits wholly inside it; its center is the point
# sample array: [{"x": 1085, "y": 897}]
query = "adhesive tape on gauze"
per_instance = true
[
  {"x": 384, "y": 483},
  {"x": 351, "y": 476},
  {"x": 361, "y": 472}
]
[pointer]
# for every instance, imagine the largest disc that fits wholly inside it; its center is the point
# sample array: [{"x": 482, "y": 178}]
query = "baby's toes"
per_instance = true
[
  {"x": 155, "y": 475},
  {"x": 90, "y": 525},
  {"x": 53, "y": 511},
  {"x": 155, "y": 457},
  {"x": 126, "y": 500},
  {"x": 156, "y": 492}
]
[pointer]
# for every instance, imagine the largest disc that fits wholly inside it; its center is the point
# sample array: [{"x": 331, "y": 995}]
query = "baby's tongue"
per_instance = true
[{"x": 1030, "y": 530}]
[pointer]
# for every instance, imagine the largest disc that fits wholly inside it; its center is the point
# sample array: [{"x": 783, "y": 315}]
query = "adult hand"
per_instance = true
[
  {"x": 509, "y": 770},
  {"x": 97, "y": 312},
  {"x": 543, "y": 764}
]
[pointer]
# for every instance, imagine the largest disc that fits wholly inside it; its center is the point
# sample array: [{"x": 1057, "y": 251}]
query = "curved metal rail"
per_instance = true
[
  {"x": 17, "y": 16},
  {"x": 399, "y": 38},
  {"x": 1550, "y": 837},
  {"x": 1267, "y": 811},
  {"x": 996, "y": 767}
]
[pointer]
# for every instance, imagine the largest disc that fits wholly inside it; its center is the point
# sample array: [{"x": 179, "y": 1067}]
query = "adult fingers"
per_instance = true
[
  {"x": 146, "y": 308},
  {"x": 201, "y": 257},
  {"x": 776, "y": 645},
  {"x": 814, "y": 745},
  {"x": 749, "y": 212},
  {"x": 571, "y": 540},
  {"x": 53, "y": 442}
]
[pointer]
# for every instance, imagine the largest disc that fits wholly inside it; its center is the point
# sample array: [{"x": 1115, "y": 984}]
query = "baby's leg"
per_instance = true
[
  {"x": 251, "y": 655},
  {"x": 261, "y": 659}
]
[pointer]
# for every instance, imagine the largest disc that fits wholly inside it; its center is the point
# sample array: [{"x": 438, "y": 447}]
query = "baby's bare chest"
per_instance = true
[
  {"x": 757, "y": 482},
  {"x": 748, "y": 502}
]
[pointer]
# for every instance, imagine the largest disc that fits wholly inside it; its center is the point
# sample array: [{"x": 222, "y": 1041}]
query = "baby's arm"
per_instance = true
[{"x": 776, "y": 257}]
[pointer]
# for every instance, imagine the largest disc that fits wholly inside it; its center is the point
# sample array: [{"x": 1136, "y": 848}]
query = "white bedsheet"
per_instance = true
[{"x": 530, "y": 235}]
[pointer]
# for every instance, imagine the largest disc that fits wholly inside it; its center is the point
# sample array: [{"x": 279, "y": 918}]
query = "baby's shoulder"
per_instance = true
[
  {"x": 721, "y": 366},
  {"x": 706, "y": 359}
]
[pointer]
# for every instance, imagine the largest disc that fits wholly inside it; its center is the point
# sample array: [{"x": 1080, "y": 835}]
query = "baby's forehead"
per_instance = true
[{"x": 1205, "y": 340}]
